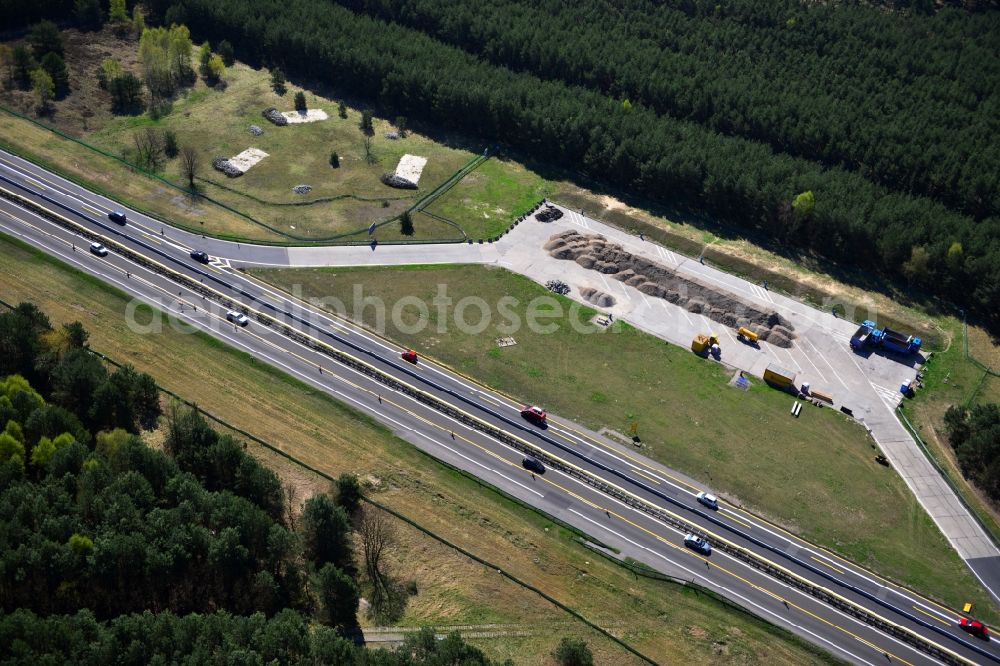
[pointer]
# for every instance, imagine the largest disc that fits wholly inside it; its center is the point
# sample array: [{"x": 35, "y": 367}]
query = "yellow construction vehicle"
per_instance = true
[
  {"x": 705, "y": 344},
  {"x": 745, "y": 334}
]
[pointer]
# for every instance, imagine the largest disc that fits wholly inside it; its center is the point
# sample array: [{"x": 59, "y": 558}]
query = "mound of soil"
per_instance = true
[
  {"x": 598, "y": 298},
  {"x": 225, "y": 166},
  {"x": 392, "y": 180},
  {"x": 274, "y": 116},
  {"x": 595, "y": 252}
]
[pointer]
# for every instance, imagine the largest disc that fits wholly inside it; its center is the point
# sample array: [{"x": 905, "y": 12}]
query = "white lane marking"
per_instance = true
[
  {"x": 746, "y": 566},
  {"x": 73, "y": 260},
  {"x": 833, "y": 369},
  {"x": 804, "y": 341},
  {"x": 368, "y": 408},
  {"x": 889, "y": 397},
  {"x": 476, "y": 462},
  {"x": 789, "y": 355},
  {"x": 682, "y": 311},
  {"x": 709, "y": 582}
]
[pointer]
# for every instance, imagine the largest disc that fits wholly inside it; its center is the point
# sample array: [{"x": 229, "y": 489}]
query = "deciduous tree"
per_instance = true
[
  {"x": 189, "y": 164},
  {"x": 54, "y": 65},
  {"x": 117, "y": 11},
  {"x": 573, "y": 652},
  {"x": 43, "y": 87}
]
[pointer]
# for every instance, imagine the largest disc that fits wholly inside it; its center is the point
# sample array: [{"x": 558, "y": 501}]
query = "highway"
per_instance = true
[{"x": 565, "y": 496}]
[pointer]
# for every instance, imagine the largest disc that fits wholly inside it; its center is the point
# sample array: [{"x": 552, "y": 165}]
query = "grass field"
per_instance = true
[
  {"x": 662, "y": 620},
  {"x": 815, "y": 475},
  {"x": 491, "y": 196},
  {"x": 952, "y": 379},
  {"x": 343, "y": 202},
  {"x": 218, "y": 121}
]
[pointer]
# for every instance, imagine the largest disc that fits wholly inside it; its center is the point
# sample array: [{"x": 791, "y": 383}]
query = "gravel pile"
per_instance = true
[
  {"x": 596, "y": 297},
  {"x": 256, "y": 130},
  {"x": 558, "y": 286},
  {"x": 302, "y": 189},
  {"x": 392, "y": 136},
  {"x": 392, "y": 180},
  {"x": 225, "y": 166},
  {"x": 548, "y": 214},
  {"x": 596, "y": 253},
  {"x": 275, "y": 116}
]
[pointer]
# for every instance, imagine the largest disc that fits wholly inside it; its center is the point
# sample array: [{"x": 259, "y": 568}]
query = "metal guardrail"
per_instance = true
[{"x": 746, "y": 556}]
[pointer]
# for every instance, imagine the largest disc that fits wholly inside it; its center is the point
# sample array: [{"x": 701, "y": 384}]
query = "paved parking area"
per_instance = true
[{"x": 866, "y": 384}]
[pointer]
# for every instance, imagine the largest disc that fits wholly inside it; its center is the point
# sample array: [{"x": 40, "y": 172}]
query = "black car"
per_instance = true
[
  {"x": 533, "y": 464},
  {"x": 199, "y": 255},
  {"x": 117, "y": 216}
]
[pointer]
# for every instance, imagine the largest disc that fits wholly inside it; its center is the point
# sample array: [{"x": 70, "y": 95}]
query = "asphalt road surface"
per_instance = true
[{"x": 633, "y": 532}]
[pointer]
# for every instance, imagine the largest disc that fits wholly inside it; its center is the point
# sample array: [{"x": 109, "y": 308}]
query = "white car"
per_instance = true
[
  {"x": 697, "y": 543},
  {"x": 711, "y": 501},
  {"x": 99, "y": 249},
  {"x": 237, "y": 318}
]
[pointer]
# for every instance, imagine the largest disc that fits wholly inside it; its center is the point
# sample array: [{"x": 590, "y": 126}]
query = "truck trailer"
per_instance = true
[
  {"x": 862, "y": 336},
  {"x": 897, "y": 342},
  {"x": 778, "y": 377},
  {"x": 886, "y": 338}
]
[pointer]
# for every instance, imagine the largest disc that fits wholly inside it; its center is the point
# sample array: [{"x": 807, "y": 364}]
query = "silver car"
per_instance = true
[{"x": 237, "y": 318}]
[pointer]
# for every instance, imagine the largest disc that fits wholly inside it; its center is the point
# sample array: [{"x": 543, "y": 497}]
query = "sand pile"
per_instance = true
[
  {"x": 595, "y": 252},
  {"x": 598, "y": 298},
  {"x": 310, "y": 116},
  {"x": 247, "y": 159},
  {"x": 410, "y": 167}
]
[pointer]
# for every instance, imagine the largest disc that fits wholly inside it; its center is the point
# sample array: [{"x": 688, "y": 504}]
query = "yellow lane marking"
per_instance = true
[
  {"x": 931, "y": 616},
  {"x": 490, "y": 398},
  {"x": 826, "y": 564},
  {"x": 214, "y": 269},
  {"x": 736, "y": 520},
  {"x": 154, "y": 240},
  {"x": 647, "y": 476},
  {"x": 92, "y": 209},
  {"x": 848, "y": 564},
  {"x": 718, "y": 567},
  {"x": 788, "y": 603},
  {"x": 626, "y": 454}
]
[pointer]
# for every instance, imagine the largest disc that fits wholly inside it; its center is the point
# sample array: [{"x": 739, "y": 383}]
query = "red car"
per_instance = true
[
  {"x": 409, "y": 355},
  {"x": 974, "y": 627},
  {"x": 534, "y": 414}
]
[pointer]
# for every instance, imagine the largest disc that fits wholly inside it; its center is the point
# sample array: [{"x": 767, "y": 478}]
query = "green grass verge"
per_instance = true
[
  {"x": 664, "y": 621},
  {"x": 816, "y": 475},
  {"x": 488, "y": 199},
  {"x": 951, "y": 378}
]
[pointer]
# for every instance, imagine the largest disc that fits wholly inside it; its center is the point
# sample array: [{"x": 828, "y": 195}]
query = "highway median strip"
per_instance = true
[{"x": 739, "y": 552}]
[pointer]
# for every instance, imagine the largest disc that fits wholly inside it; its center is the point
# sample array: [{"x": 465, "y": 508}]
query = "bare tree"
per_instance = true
[
  {"x": 369, "y": 155},
  {"x": 291, "y": 492},
  {"x": 377, "y": 536},
  {"x": 189, "y": 164},
  {"x": 148, "y": 148}
]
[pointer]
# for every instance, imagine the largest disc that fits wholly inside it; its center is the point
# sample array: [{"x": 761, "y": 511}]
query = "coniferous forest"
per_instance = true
[
  {"x": 886, "y": 112},
  {"x": 889, "y": 118},
  {"x": 112, "y": 552}
]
